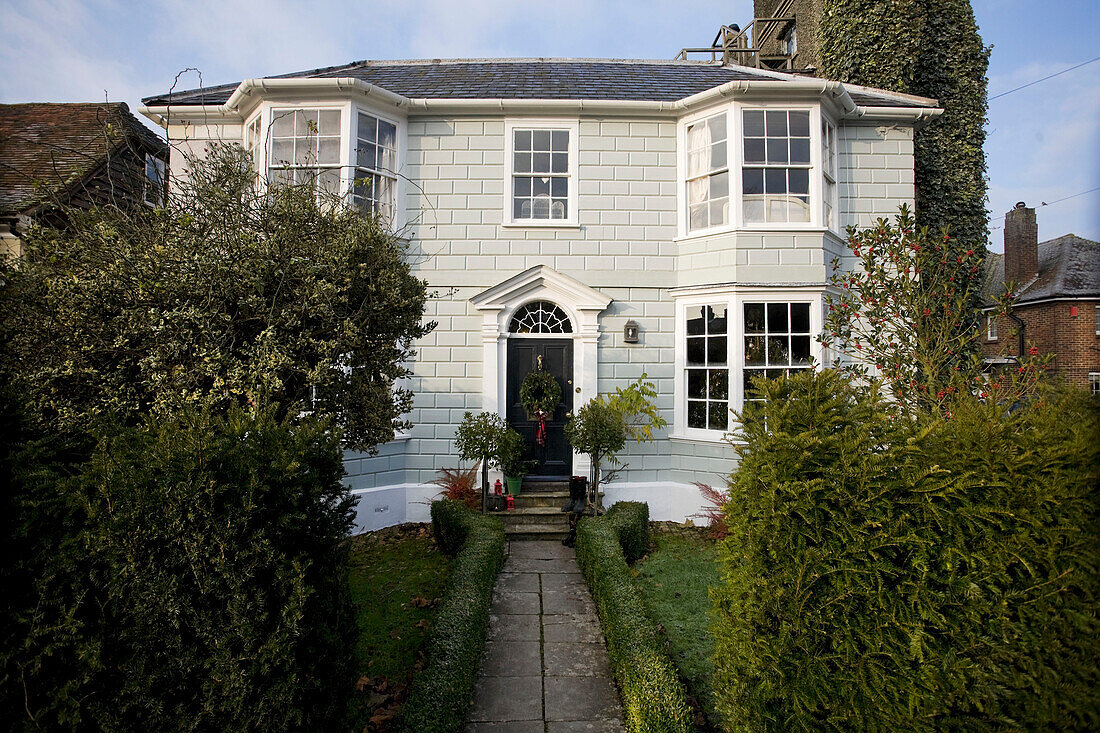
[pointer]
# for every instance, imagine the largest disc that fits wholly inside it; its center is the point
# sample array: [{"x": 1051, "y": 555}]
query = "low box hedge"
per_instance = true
[
  {"x": 441, "y": 693},
  {"x": 654, "y": 700}
]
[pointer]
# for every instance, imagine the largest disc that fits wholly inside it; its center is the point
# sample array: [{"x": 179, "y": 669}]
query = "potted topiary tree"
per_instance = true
[
  {"x": 512, "y": 464},
  {"x": 485, "y": 437}
]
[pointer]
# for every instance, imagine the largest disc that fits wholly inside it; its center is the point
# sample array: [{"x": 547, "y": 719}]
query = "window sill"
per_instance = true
[
  {"x": 715, "y": 439},
  {"x": 776, "y": 229},
  {"x": 540, "y": 225}
]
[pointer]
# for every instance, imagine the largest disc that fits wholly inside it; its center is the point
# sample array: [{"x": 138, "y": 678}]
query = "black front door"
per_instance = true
[{"x": 555, "y": 459}]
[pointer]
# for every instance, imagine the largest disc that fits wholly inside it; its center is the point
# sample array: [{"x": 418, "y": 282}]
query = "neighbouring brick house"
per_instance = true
[
  {"x": 1058, "y": 300},
  {"x": 80, "y": 154},
  {"x": 611, "y": 217}
]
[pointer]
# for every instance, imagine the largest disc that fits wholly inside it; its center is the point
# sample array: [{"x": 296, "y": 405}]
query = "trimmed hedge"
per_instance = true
[
  {"x": 441, "y": 693},
  {"x": 654, "y": 699},
  {"x": 886, "y": 575}
]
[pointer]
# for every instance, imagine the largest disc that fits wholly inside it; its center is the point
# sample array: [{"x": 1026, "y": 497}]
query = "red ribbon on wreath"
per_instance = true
[{"x": 540, "y": 434}]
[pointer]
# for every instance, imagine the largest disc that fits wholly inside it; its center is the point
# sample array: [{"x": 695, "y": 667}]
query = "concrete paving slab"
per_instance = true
[
  {"x": 515, "y": 726},
  {"x": 564, "y": 582},
  {"x": 586, "y": 632},
  {"x": 587, "y": 726},
  {"x": 518, "y": 582},
  {"x": 511, "y": 659},
  {"x": 572, "y": 659},
  {"x": 540, "y": 565},
  {"x": 505, "y": 699},
  {"x": 505, "y": 602},
  {"x": 540, "y": 550},
  {"x": 567, "y": 601},
  {"x": 581, "y": 698},
  {"x": 514, "y": 627}
]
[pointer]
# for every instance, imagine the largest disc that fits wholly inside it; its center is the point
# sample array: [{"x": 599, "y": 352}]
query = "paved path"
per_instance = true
[{"x": 545, "y": 665}]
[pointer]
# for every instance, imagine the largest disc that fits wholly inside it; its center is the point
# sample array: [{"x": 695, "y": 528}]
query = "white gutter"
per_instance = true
[{"x": 246, "y": 90}]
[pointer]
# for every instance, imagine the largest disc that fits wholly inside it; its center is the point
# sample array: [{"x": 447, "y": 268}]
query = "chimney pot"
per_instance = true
[{"x": 1021, "y": 245}]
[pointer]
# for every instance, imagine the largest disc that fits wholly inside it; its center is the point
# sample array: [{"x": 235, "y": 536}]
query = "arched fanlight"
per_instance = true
[{"x": 540, "y": 316}]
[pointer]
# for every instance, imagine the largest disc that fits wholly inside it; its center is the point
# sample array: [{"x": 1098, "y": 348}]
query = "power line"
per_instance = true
[
  {"x": 1033, "y": 83},
  {"x": 1055, "y": 201}
]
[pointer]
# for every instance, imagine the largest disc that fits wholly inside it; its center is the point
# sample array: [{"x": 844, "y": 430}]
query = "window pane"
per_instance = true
[
  {"x": 559, "y": 163},
  {"x": 718, "y": 156},
  {"x": 559, "y": 140},
  {"x": 719, "y": 416},
  {"x": 777, "y": 124},
  {"x": 754, "y": 150},
  {"x": 798, "y": 208},
  {"x": 719, "y": 212},
  {"x": 752, "y": 180},
  {"x": 717, "y": 127},
  {"x": 367, "y": 128},
  {"x": 720, "y": 185},
  {"x": 522, "y": 162},
  {"x": 779, "y": 351},
  {"x": 387, "y": 134},
  {"x": 522, "y": 139},
  {"x": 754, "y": 351},
  {"x": 800, "y": 350},
  {"x": 540, "y": 140},
  {"x": 800, "y": 181},
  {"x": 719, "y": 384},
  {"x": 775, "y": 180},
  {"x": 282, "y": 151},
  {"x": 800, "y": 317},
  {"x": 800, "y": 150},
  {"x": 754, "y": 123},
  {"x": 540, "y": 162},
  {"x": 695, "y": 322},
  {"x": 751, "y": 375},
  {"x": 329, "y": 122},
  {"x": 365, "y": 155},
  {"x": 716, "y": 350},
  {"x": 540, "y": 186},
  {"x": 800, "y": 124},
  {"x": 697, "y": 414},
  {"x": 717, "y": 322},
  {"x": 540, "y": 208},
  {"x": 754, "y": 318},
  {"x": 559, "y": 187},
  {"x": 329, "y": 151},
  {"x": 521, "y": 186},
  {"x": 696, "y": 351},
  {"x": 305, "y": 122},
  {"x": 697, "y": 217},
  {"x": 697, "y": 383},
  {"x": 305, "y": 150},
  {"x": 282, "y": 123},
  {"x": 777, "y": 318},
  {"x": 777, "y": 150},
  {"x": 329, "y": 180},
  {"x": 521, "y": 209},
  {"x": 558, "y": 209}
]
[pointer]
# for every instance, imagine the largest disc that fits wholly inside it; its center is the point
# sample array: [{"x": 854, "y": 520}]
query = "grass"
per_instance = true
[
  {"x": 397, "y": 577},
  {"x": 673, "y": 580}
]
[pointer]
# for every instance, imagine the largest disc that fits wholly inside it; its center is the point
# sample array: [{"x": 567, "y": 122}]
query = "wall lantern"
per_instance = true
[{"x": 630, "y": 332}]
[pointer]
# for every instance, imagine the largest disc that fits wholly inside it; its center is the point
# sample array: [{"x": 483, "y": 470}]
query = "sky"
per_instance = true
[{"x": 1043, "y": 143}]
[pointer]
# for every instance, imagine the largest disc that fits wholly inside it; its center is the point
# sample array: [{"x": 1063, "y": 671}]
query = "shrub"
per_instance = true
[
  {"x": 200, "y": 583},
  {"x": 441, "y": 693},
  {"x": 459, "y": 484},
  {"x": 485, "y": 437},
  {"x": 890, "y": 575},
  {"x": 654, "y": 699}
]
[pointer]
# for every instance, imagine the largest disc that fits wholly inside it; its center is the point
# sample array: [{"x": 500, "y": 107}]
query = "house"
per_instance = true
[
  {"x": 86, "y": 154},
  {"x": 602, "y": 219},
  {"x": 1057, "y": 305}
]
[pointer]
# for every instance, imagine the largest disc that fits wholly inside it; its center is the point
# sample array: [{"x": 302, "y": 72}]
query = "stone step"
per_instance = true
[
  {"x": 532, "y": 532},
  {"x": 548, "y": 498},
  {"x": 535, "y": 515},
  {"x": 542, "y": 487}
]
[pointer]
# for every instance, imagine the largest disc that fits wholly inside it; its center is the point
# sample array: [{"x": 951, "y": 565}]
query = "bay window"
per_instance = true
[
  {"x": 375, "y": 182},
  {"x": 305, "y": 148},
  {"x": 729, "y": 337},
  {"x": 758, "y": 166}
]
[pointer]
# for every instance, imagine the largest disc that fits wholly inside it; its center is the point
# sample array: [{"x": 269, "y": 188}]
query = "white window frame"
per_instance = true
[
  {"x": 991, "y": 326},
  {"x": 349, "y": 121},
  {"x": 734, "y": 298},
  {"x": 1094, "y": 384},
  {"x": 572, "y": 126},
  {"x": 391, "y": 174},
  {"x": 161, "y": 184},
  {"x": 1096, "y": 316},
  {"x": 255, "y": 143},
  {"x": 830, "y": 139},
  {"x": 735, "y": 152}
]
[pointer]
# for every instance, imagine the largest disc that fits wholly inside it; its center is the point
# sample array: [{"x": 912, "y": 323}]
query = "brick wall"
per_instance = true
[{"x": 1053, "y": 329}]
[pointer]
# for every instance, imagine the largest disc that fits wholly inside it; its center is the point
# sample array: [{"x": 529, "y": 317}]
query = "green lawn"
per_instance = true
[
  {"x": 397, "y": 577},
  {"x": 673, "y": 580}
]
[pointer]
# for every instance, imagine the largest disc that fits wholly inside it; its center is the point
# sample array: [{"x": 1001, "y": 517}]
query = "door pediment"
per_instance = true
[{"x": 581, "y": 302}]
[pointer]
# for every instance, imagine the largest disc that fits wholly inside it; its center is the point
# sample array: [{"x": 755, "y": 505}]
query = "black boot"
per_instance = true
[
  {"x": 581, "y": 496},
  {"x": 574, "y": 493}
]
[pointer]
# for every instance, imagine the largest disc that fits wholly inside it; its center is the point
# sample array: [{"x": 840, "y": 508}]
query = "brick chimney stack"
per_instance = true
[{"x": 1021, "y": 245}]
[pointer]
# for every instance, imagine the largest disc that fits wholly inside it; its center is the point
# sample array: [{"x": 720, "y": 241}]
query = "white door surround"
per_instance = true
[{"x": 581, "y": 303}]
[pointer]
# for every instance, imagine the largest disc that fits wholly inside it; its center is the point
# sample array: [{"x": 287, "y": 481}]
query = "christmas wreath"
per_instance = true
[{"x": 539, "y": 394}]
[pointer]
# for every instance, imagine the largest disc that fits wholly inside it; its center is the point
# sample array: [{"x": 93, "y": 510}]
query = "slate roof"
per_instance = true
[
  {"x": 45, "y": 145},
  {"x": 582, "y": 79},
  {"x": 1069, "y": 267}
]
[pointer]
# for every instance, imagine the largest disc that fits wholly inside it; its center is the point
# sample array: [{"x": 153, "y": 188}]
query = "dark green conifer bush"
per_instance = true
[
  {"x": 885, "y": 574},
  {"x": 199, "y": 585}
]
